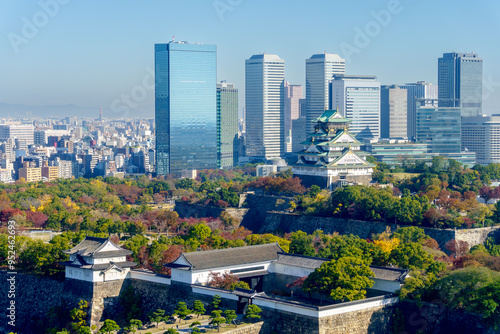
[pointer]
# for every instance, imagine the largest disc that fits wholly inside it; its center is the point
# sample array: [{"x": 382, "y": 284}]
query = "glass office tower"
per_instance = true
[
  {"x": 357, "y": 97},
  {"x": 185, "y": 107},
  {"x": 227, "y": 125},
  {"x": 417, "y": 90},
  {"x": 439, "y": 127},
  {"x": 320, "y": 69},
  {"x": 460, "y": 76}
]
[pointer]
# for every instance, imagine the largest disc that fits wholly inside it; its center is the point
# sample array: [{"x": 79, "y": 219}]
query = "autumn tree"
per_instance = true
[{"x": 345, "y": 279}]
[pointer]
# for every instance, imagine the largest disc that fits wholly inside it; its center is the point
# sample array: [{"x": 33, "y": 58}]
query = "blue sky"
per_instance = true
[{"x": 92, "y": 52}]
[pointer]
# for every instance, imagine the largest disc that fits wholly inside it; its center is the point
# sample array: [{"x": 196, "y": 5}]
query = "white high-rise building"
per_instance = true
[
  {"x": 264, "y": 105},
  {"x": 320, "y": 69},
  {"x": 481, "y": 134},
  {"x": 357, "y": 97},
  {"x": 23, "y": 132}
]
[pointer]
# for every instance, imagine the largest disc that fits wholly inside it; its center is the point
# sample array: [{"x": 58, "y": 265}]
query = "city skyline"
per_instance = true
[{"x": 110, "y": 45}]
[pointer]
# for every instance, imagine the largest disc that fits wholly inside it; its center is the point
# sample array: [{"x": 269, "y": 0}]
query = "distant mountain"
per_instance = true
[{"x": 21, "y": 110}]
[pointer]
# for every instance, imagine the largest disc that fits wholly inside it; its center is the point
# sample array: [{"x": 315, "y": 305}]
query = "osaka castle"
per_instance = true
[{"x": 331, "y": 156}]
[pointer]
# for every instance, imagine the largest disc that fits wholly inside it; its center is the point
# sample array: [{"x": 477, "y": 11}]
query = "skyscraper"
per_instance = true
[
  {"x": 393, "y": 113},
  {"x": 439, "y": 127},
  {"x": 357, "y": 97},
  {"x": 320, "y": 69},
  {"x": 460, "y": 76},
  {"x": 227, "y": 125},
  {"x": 264, "y": 104},
  {"x": 481, "y": 134},
  {"x": 185, "y": 107},
  {"x": 293, "y": 95},
  {"x": 417, "y": 91}
]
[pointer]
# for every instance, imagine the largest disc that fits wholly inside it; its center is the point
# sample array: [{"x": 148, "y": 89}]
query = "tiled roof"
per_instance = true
[
  {"x": 232, "y": 256},
  {"x": 98, "y": 267},
  {"x": 91, "y": 245},
  {"x": 389, "y": 274},
  {"x": 300, "y": 260}
]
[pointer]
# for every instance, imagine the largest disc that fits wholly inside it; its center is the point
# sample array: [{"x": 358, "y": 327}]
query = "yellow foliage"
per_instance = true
[
  {"x": 69, "y": 204},
  {"x": 387, "y": 245}
]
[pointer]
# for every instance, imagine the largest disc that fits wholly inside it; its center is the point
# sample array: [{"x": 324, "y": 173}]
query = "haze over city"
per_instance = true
[{"x": 92, "y": 54}]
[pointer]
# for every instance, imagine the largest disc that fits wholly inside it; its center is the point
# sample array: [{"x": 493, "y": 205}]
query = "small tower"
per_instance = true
[{"x": 97, "y": 260}]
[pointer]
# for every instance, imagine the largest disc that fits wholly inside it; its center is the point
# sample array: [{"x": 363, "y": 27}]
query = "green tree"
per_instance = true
[
  {"x": 344, "y": 279},
  {"x": 198, "y": 308},
  {"x": 302, "y": 244},
  {"x": 217, "y": 319},
  {"x": 182, "y": 311},
  {"x": 230, "y": 316},
  {"x": 134, "y": 325},
  {"x": 194, "y": 327},
  {"x": 109, "y": 326},
  {"x": 157, "y": 316},
  {"x": 410, "y": 255},
  {"x": 409, "y": 234},
  {"x": 253, "y": 312},
  {"x": 216, "y": 300},
  {"x": 172, "y": 331}
]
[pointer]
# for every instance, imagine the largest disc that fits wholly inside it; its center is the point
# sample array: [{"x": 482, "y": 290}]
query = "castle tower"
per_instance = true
[{"x": 332, "y": 156}]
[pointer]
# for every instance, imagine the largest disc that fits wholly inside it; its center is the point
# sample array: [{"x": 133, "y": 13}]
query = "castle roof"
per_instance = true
[
  {"x": 226, "y": 257},
  {"x": 331, "y": 116},
  {"x": 97, "y": 248}
]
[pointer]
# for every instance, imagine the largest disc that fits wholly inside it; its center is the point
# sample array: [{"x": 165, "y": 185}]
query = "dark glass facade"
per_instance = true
[
  {"x": 460, "y": 76},
  {"x": 439, "y": 127},
  {"x": 185, "y": 107}
]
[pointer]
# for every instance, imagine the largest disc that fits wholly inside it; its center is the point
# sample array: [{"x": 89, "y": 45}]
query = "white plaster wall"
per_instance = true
[
  {"x": 296, "y": 271},
  {"x": 383, "y": 285},
  {"x": 150, "y": 277}
]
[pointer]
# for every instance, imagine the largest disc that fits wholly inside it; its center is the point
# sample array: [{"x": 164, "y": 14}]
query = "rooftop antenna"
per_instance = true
[{"x": 173, "y": 38}]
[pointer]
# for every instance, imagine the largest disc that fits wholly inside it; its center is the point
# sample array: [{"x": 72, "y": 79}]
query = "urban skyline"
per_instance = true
[{"x": 114, "y": 62}]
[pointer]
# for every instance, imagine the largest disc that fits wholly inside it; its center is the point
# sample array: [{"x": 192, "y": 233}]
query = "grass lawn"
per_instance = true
[{"x": 402, "y": 176}]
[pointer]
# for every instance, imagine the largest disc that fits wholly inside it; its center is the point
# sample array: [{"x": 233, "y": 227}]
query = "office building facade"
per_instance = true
[
  {"x": 417, "y": 91},
  {"x": 227, "y": 125},
  {"x": 185, "y": 107},
  {"x": 481, "y": 134},
  {"x": 320, "y": 69},
  {"x": 393, "y": 112},
  {"x": 357, "y": 97},
  {"x": 439, "y": 127},
  {"x": 264, "y": 106},
  {"x": 460, "y": 77},
  {"x": 293, "y": 94}
]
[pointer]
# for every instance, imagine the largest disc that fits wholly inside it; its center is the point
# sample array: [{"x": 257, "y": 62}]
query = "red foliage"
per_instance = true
[
  {"x": 7, "y": 214},
  {"x": 222, "y": 281},
  {"x": 297, "y": 283},
  {"x": 222, "y": 204},
  {"x": 278, "y": 185},
  {"x": 457, "y": 248},
  {"x": 36, "y": 218},
  {"x": 114, "y": 239},
  {"x": 431, "y": 243}
]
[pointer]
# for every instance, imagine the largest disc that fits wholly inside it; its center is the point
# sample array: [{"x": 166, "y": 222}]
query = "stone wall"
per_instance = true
[
  {"x": 373, "y": 320},
  {"x": 38, "y": 298},
  {"x": 435, "y": 318},
  {"x": 364, "y": 229},
  {"x": 250, "y": 329},
  {"x": 288, "y": 323}
]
